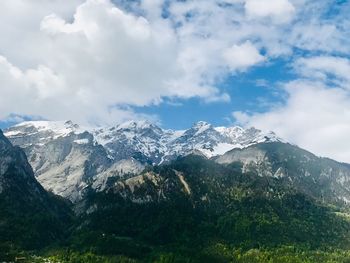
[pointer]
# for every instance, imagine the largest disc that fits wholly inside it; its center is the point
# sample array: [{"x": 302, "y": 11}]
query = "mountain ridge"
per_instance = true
[
  {"x": 267, "y": 194},
  {"x": 67, "y": 158}
]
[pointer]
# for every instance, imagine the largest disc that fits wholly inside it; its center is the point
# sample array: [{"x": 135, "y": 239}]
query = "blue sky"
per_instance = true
[
  {"x": 253, "y": 91},
  {"x": 281, "y": 65}
]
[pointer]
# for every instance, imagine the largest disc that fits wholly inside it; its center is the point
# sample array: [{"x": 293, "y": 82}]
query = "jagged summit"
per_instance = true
[
  {"x": 44, "y": 128},
  {"x": 144, "y": 137},
  {"x": 49, "y": 125},
  {"x": 136, "y": 125},
  {"x": 201, "y": 126},
  {"x": 67, "y": 157}
]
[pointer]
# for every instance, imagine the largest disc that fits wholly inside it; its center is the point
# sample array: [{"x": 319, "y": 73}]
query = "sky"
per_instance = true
[{"x": 277, "y": 65}]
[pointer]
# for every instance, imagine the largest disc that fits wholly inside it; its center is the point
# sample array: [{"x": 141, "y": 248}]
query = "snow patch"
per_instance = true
[{"x": 82, "y": 141}]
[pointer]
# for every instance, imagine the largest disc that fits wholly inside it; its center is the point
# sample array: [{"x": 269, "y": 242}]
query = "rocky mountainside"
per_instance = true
[
  {"x": 321, "y": 178},
  {"x": 70, "y": 160},
  {"x": 28, "y": 213},
  {"x": 63, "y": 157},
  {"x": 191, "y": 204},
  {"x": 67, "y": 158},
  {"x": 272, "y": 169}
]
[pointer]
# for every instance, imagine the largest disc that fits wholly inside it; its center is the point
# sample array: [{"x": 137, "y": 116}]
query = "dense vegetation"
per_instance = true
[
  {"x": 30, "y": 217},
  {"x": 227, "y": 217},
  {"x": 216, "y": 254}
]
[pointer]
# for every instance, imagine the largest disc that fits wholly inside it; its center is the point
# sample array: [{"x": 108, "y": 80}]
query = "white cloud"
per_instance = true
[
  {"x": 89, "y": 66},
  {"x": 319, "y": 36},
  {"x": 277, "y": 10},
  {"x": 324, "y": 66},
  {"x": 314, "y": 116},
  {"x": 240, "y": 57}
]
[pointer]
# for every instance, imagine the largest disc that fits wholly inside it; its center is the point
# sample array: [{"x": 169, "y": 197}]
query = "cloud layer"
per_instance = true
[
  {"x": 88, "y": 67},
  {"x": 316, "y": 112},
  {"x": 93, "y": 60}
]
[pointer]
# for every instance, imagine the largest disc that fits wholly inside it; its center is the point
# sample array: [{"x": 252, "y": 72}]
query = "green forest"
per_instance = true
[{"x": 244, "y": 218}]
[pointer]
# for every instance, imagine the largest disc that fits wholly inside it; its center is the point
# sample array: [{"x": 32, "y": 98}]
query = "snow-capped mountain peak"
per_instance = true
[
  {"x": 232, "y": 132},
  {"x": 201, "y": 127},
  {"x": 137, "y": 125},
  {"x": 67, "y": 157},
  {"x": 55, "y": 128},
  {"x": 144, "y": 138}
]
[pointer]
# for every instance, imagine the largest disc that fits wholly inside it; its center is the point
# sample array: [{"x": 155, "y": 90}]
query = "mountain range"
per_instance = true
[
  {"x": 66, "y": 158},
  {"x": 143, "y": 192}
]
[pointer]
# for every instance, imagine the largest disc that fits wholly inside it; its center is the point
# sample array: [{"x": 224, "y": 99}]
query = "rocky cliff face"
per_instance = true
[
  {"x": 16, "y": 173},
  {"x": 23, "y": 199},
  {"x": 64, "y": 157}
]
